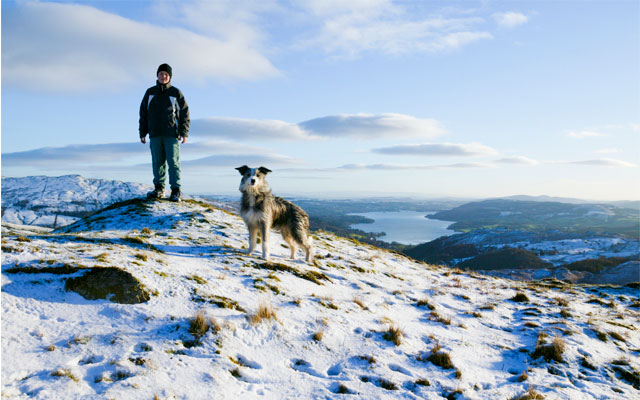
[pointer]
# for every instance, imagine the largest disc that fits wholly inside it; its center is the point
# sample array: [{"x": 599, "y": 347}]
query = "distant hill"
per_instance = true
[
  {"x": 621, "y": 203},
  {"x": 57, "y": 201},
  {"x": 541, "y": 215},
  {"x": 506, "y": 258}
]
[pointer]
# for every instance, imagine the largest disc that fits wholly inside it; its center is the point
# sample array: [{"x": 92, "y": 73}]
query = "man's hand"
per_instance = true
[
  {"x": 183, "y": 139},
  {"x": 143, "y": 139}
]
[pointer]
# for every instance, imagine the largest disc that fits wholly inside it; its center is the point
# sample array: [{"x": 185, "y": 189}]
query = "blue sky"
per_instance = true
[{"x": 338, "y": 98}]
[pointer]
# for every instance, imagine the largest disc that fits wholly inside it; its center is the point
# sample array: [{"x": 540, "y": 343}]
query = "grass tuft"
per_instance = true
[
  {"x": 552, "y": 351},
  {"x": 265, "y": 312},
  {"x": 66, "y": 373},
  {"x": 530, "y": 394},
  {"x": 360, "y": 303},
  {"x": 199, "y": 325},
  {"x": 425, "y": 302},
  {"x": 617, "y": 336},
  {"x": 394, "y": 335},
  {"x": 434, "y": 316},
  {"x": 440, "y": 358}
]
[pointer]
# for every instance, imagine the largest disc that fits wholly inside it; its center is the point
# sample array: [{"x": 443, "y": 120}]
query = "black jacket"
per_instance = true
[{"x": 164, "y": 112}]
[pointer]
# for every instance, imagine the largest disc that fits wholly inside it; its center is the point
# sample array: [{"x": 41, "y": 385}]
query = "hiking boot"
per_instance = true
[
  {"x": 175, "y": 195},
  {"x": 157, "y": 193}
]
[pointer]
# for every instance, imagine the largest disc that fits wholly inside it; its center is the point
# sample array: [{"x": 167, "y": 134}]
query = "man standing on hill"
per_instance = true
[{"x": 164, "y": 115}]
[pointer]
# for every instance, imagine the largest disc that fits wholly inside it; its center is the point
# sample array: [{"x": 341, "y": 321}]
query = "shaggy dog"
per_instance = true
[{"x": 261, "y": 210}]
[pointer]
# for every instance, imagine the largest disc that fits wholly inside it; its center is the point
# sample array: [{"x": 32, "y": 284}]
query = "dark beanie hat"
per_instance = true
[{"x": 166, "y": 68}]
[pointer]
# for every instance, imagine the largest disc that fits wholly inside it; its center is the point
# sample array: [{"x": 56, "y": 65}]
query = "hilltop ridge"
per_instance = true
[{"x": 362, "y": 321}]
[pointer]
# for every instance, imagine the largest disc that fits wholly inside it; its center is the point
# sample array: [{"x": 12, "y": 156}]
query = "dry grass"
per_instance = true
[
  {"x": 66, "y": 373},
  {"x": 425, "y": 302},
  {"x": 564, "y": 313},
  {"x": 561, "y": 302},
  {"x": 197, "y": 279},
  {"x": 201, "y": 324},
  {"x": 265, "y": 312},
  {"x": 552, "y": 351},
  {"x": 434, "y": 316},
  {"x": 601, "y": 335},
  {"x": 318, "y": 336},
  {"x": 530, "y": 394},
  {"x": 394, "y": 335},
  {"x": 360, "y": 303},
  {"x": 440, "y": 358},
  {"x": 617, "y": 336}
]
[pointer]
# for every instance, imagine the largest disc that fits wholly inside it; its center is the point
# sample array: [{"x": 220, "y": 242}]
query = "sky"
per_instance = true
[{"x": 466, "y": 99}]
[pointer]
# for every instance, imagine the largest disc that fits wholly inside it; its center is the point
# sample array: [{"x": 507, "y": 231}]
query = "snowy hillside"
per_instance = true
[
  {"x": 198, "y": 319},
  {"x": 58, "y": 201}
]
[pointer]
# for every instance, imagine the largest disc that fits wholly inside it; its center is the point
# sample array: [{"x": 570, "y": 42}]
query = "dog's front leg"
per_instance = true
[
  {"x": 264, "y": 231},
  {"x": 253, "y": 238}
]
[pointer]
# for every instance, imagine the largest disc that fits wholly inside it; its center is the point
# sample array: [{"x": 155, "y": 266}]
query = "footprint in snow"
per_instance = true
[
  {"x": 304, "y": 366},
  {"x": 245, "y": 362},
  {"x": 401, "y": 369},
  {"x": 335, "y": 370}
]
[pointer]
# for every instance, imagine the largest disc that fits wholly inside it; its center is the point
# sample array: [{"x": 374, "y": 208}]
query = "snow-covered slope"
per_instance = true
[
  {"x": 362, "y": 323},
  {"x": 58, "y": 201}
]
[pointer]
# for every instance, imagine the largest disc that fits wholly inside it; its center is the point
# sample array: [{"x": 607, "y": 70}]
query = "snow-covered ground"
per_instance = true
[
  {"x": 332, "y": 328},
  {"x": 556, "y": 247}
]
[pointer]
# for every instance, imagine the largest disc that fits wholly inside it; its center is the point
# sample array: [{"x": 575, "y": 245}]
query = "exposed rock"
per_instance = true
[{"x": 109, "y": 283}]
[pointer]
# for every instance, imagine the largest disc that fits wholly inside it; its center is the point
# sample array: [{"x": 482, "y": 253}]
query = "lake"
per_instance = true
[{"x": 406, "y": 227}]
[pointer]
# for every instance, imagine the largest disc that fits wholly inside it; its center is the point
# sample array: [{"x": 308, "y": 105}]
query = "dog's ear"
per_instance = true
[
  {"x": 243, "y": 169},
  {"x": 264, "y": 170}
]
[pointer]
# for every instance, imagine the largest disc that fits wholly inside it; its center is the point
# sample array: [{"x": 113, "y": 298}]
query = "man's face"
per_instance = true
[{"x": 163, "y": 77}]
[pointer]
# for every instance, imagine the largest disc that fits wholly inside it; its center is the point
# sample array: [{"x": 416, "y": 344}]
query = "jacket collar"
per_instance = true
[{"x": 163, "y": 87}]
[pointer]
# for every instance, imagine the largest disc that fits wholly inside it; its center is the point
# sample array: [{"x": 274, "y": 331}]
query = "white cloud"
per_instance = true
[
  {"x": 369, "y": 126},
  {"x": 373, "y": 126},
  {"x": 242, "y": 129},
  {"x": 236, "y": 160},
  {"x": 346, "y": 29},
  {"x": 584, "y": 134},
  {"x": 74, "y": 154},
  {"x": 605, "y": 162},
  {"x": 510, "y": 19},
  {"x": 71, "y": 47},
  {"x": 407, "y": 167},
  {"x": 518, "y": 160},
  {"x": 438, "y": 149},
  {"x": 610, "y": 150},
  {"x": 94, "y": 154}
]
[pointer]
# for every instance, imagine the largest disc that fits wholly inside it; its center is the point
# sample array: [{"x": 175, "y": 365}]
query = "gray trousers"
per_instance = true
[{"x": 165, "y": 151}]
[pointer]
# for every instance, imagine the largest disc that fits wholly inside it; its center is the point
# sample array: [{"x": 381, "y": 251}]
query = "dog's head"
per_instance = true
[{"x": 253, "y": 179}]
